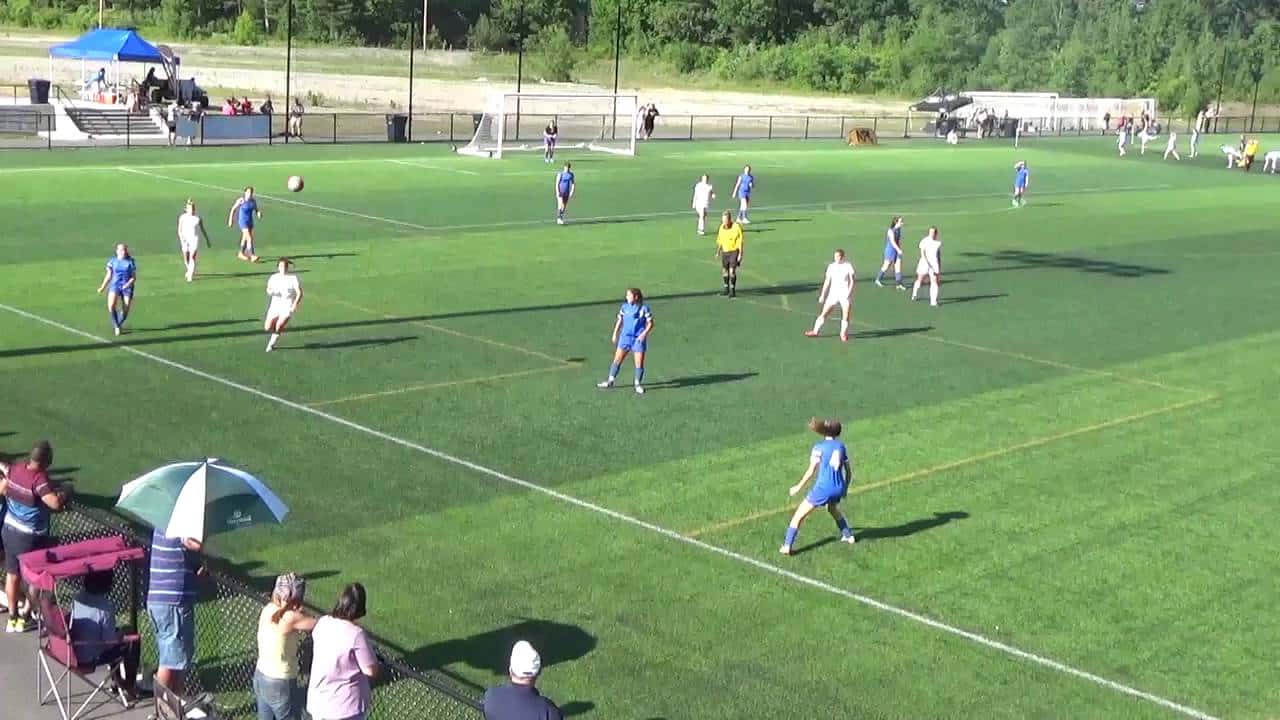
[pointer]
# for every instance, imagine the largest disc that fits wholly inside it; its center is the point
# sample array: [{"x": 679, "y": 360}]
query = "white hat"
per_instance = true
[{"x": 525, "y": 661}]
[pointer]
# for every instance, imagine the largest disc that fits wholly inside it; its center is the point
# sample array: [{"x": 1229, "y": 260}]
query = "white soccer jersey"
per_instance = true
[
  {"x": 188, "y": 227},
  {"x": 840, "y": 277},
  {"x": 702, "y": 195},
  {"x": 929, "y": 249},
  {"x": 283, "y": 288},
  {"x": 1173, "y": 141}
]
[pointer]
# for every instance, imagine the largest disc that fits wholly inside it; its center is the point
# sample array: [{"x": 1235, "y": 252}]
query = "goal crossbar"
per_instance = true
[{"x": 516, "y": 122}]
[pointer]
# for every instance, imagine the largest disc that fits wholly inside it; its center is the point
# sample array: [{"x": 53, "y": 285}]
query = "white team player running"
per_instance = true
[
  {"x": 1122, "y": 139},
  {"x": 703, "y": 194},
  {"x": 1270, "y": 161},
  {"x": 930, "y": 266},
  {"x": 1172, "y": 147},
  {"x": 286, "y": 295},
  {"x": 190, "y": 228},
  {"x": 837, "y": 290}
]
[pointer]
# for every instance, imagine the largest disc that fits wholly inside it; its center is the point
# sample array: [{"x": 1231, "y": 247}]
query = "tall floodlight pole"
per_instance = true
[
  {"x": 519, "y": 65},
  {"x": 288, "y": 67},
  {"x": 617, "y": 64},
  {"x": 409, "y": 123}
]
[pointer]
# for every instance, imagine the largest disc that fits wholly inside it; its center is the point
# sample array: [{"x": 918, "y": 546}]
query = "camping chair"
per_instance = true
[
  {"x": 42, "y": 570},
  {"x": 57, "y": 649}
]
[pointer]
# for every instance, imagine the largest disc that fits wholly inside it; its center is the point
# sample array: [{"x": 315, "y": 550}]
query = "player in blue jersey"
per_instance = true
[
  {"x": 122, "y": 275},
  {"x": 829, "y": 461},
  {"x": 565, "y": 188},
  {"x": 892, "y": 253},
  {"x": 630, "y": 335},
  {"x": 742, "y": 190},
  {"x": 549, "y": 136},
  {"x": 1021, "y": 181},
  {"x": 243, "y": 213}
]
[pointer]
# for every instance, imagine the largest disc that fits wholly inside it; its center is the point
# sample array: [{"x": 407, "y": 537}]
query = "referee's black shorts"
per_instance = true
[{"x": 730, "y": 259}]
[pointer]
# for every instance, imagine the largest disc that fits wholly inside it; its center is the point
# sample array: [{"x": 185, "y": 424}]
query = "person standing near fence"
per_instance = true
[
  {"x": 29, "y": 497},
  {"x": 281, "y": 626},
  {"x": 343, "y": 661},
  {"x": 171, "y": 604},
  {"x": 519, "y": 699}
]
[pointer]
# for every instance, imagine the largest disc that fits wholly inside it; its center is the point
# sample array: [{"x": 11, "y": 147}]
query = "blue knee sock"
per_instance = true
[
  {"x": 613, "y": 370},
  {"x": 879, "y": 276},
  {"x": 843, "y": 524},
  {"x": 791, "y": 536},
  {"x": 897, "y": 277},
  {"x": 639, "y": 375}
]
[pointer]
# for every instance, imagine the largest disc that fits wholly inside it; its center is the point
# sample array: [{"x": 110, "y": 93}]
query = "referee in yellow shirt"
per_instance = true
[{"x": 729, "y": 248}]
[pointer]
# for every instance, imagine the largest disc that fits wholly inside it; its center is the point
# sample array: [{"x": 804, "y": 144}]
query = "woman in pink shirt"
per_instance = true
[{"x": 343, "y": 661}]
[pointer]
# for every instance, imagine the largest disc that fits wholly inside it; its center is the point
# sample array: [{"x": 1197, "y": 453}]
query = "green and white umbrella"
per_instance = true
[{"x": 195, "y": 499}]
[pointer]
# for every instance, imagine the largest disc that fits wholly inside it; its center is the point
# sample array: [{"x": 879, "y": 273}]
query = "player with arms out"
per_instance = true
[
  {"x": 731, "y": 250},
  {"x": 565, "y": 187},
  {"x": 830, "y": 462},
  {"x": 837, "y": 290},
  {"x": 190, "y": 228},
  {"x": 285, "y": 292},
  {"x": 892, "y": 253},
  {"x": 1021, "y": 181},
  {"x": 742, "y": 189},
  {"x": 930, "y": 266},
  {"x": 549, "y": 135},
  {"x": 630, "y": 335},
  {"x": 122, "y": 275},
  {"x": 703, "y": 194},
  {"x": 243, "y": 213}
]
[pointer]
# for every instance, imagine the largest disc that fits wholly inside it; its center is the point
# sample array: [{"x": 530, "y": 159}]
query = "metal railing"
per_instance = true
[{"x": 226, "y": 639}]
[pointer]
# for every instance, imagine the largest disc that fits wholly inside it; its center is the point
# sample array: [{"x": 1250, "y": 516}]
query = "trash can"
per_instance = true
[
  {"x": 396, "y": 128},
  {"x": 39, "y": 91}
]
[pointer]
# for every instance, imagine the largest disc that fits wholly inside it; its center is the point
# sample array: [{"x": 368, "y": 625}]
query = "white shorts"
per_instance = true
[
  {"x": 190, "y": 246},
  {"x": 922, "y": 268},
  {"x": 280, "y": 310},
  {"x": 700, "y": 209},
  {"x": 831, "y": 302}
]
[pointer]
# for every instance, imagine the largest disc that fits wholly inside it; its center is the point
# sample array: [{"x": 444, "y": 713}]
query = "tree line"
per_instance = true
[{"x": 1173, "y": 50}]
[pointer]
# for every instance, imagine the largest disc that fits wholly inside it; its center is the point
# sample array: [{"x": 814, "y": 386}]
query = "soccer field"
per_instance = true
[{"x": 1065, "y": 474}]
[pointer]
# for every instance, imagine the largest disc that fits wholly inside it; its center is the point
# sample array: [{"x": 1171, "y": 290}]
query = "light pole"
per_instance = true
[
  {"x": 617, "y": 65},
  {"x": 1256, "y": 73},
  {"x": 288, "y": 67},
  {"x": 519, "y": 64}
]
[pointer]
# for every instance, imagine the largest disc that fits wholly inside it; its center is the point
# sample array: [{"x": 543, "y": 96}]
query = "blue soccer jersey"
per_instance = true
[
  {"x": 892, "y": 243},
  {"x": 746, "y": 183},
  {"x": 635, "y": 319},
  {"x": 564, "y": 182},
  {"x": 1021, "y": 176},
  {"x": 122, "y": 271},
  {"x": 833, "y": 462},
  {"x": 246, "y": 211}
]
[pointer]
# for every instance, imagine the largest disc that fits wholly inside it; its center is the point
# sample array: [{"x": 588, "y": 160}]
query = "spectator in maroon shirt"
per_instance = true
[{"x": 29, "y": 498}]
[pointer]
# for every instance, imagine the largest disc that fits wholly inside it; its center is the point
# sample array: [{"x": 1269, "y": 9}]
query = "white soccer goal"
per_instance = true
[
  {"x": 1051, "y": 114},
  {"x": 515, "y": 121}
]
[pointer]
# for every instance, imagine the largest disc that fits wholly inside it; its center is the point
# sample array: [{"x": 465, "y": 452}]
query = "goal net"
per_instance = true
[
  {"x": 515, "y": 122},
  {"x": 1051, "y": 114}
]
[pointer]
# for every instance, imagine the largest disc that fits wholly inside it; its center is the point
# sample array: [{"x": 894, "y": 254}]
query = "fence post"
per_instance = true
[
  {"x": 451, "y": 127},
  {"x": 770, "y": 127},
  {"x": 128, "y": 128},
  {"x": 335, "y": 128},
  {"x": 48, "y": 136},
  {"x": 690, "y": 127},
  {"x": 906, "y": 128},
  {"x": 842, "y": 126},
  {"x": 806, "y": 127},
  {"x": 731, "y": 119},
  {"x": 875, "y": 125}
]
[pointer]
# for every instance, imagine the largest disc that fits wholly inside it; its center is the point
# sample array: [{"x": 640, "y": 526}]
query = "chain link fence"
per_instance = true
[{"x": 226, "y": 638}]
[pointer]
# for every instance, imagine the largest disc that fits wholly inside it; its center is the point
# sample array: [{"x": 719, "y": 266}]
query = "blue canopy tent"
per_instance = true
[{"x": 107, "y": 45}]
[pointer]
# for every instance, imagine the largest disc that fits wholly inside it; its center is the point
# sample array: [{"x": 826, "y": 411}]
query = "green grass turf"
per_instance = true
[{"x": 1073, "y": 455}]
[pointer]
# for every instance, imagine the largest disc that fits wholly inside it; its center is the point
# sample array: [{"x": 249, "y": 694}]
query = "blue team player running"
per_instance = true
[
  {"x": 565, "y": 188},
  {"x": 122, "y": 275},
  {"x": 549, "y": 136},
  {"x": 892, "y": 253},
  {"x": 1021, "y": 181},
  {"x": 244, "y": 212},
  {"x": 742, "y": 190},
  {"x": 630, "y": 335},
  {"x": 830, "y": 461}
]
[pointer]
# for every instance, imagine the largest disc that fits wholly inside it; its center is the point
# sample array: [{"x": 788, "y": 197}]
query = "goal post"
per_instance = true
[{"x": 514, "y": 122}]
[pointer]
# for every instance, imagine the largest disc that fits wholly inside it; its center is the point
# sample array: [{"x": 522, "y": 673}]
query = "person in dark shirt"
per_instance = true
[{"x": 519, "y": 699}]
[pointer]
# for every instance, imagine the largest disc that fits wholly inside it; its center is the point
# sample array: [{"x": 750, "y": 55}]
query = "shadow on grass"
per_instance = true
[
  {"x": 696, "y": 380},
  {"x": 490, "y": 651},
  {"x": 322, "y": 256},
  {"x": 575, "y": 708},
  {"x": 1030, "y": 260},
  {"x": 873, "y": 534},
  {"x": 197, "y": 325},
  {"x": 249, "y": 273},
  {"x": 970, "y": 298},
  {"x": 359, "y": 344}
]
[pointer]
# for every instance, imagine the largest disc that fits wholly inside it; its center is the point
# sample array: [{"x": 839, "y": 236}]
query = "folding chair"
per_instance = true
[{"x": 58, "y": 650}]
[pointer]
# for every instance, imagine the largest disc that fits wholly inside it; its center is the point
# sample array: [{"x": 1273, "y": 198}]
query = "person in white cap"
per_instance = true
[{"x": 519, "y": 699}]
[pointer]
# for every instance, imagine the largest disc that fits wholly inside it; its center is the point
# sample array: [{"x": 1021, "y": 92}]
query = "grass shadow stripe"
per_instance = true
[
  {"x": 770, "y": 568},
  {"x": 442, "y": 385},
  {"x": 962, "y": 462}
]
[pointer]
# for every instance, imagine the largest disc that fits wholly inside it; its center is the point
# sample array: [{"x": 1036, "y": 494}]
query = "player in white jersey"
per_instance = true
[
  {"x": 837, "y": 290},
  {"x": 1195, "y": 142},
  {"x": 190, "y": 228},
  {"x": 286, "y": 294},
  {"x": 1270, "y": 161},
  {"x": 1172, "y": 147},
  {"x": 930, "y": 266},
  {"x": 1234, "y": 155},
  {"x": 1122, "y": 138},
  {"x": 703, "y": 194}
]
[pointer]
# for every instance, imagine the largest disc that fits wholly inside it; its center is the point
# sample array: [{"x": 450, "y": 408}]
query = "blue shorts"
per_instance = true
[
  {"x": 175, "y": 634},
  {"x": 891, "y": 255},
  {"x": 563, "y": 194},
  {"x": 744, "y": 196},
  {"x": 1019, "y": 189},
  {"x": 631, "y": 343},
  {"x": 819, "y": 497},
  {"x": 125, "y": 292},
  {"x": 246, "y": 224}
]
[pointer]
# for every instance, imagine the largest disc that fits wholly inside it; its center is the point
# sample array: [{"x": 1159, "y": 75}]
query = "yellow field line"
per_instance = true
[
  {"x": 972, "y": 459},
  {"x": 445, "y": 384},
  {"x": 458, "y": 333}
]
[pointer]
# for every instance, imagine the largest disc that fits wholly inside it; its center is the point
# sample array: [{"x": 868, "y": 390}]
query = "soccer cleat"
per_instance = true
[
  {"x": 933, "y": 304},
  {"x": 17, "y": 625},
  {"x": 241, "y": 256},
  {"x": 902, "y": 287},
  {"x": 746, "y": 221},
  {"x": 879, "y": 284},
  {"x": 844, "y": 337},
  {"x": 847, "y": 539},
  {"x": 604, "y": 384},
  {"x": 702, "y": 232},
  {"x": 559, "y": 221},
  {"x": 810, "y": 333},
  {"x": 733, "y": 292},
  {"x": 785, "y": 549},
  {"x": 639, "y": 389},
  {"x": 117, "y": 331}
]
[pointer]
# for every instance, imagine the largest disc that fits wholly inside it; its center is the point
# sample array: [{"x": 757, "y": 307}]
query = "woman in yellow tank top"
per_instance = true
[{"x": 280, "y": 628}]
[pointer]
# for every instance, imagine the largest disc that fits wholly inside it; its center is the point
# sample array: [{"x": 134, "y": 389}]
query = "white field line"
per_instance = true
[
  {"x": 644, "y": 525},
  {"x": 430, "y": 166},
  {"x": 828, "y": 206}
]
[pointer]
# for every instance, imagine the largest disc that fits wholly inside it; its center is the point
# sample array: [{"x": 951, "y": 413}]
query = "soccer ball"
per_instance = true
[{"x": 295, "y": 183}]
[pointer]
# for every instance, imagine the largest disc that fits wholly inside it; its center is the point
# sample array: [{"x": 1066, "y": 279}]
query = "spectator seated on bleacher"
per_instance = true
[
  {"x": 246, "y": 107},
  {"x": 229, "y": 107}
]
